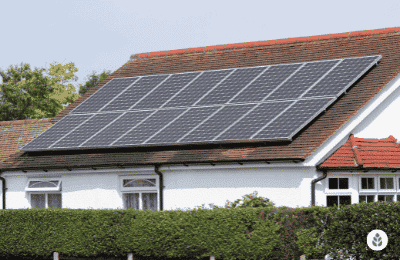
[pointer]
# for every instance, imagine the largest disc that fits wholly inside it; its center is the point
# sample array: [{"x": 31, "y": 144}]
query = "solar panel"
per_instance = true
[
  {"x": 293, "y": 119},
  {"x": 236, "y": 81},
  {"x": 211, "y": 127},
  {"x": 166, "y": 90},
  {"x": 142, "y": 131},
  {"x": 266, "y": 83},
  {"x": 270, "y": 102},
  {"x": 307, "y": 76},
  {"x": 86, "y": 130},
  {"x": 247, "y": 126},
  {"x": 198, "y": 88},
  {"x": 342, "y": 76},
  {"x": 119, "y": 127},
  {"x": 135, "y": 93},
  {"x": 182, "y": 125},
  {"x": 110, "y": 90},
  {"x": 59, "y": 129}
]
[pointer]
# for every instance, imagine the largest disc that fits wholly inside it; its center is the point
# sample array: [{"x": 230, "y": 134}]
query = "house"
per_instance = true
[{"x": 178, "y": 129}]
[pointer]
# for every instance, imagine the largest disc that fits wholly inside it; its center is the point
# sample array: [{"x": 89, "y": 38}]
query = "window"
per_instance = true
[
  {"x": 366, "y": 198},
  {"x": 140, "y": 192},
  {"x": 381, "y": 188},
  {"x": 338, "y": 183},
  {"x": 367, "y": 183},
  {"x": 44, "y": 193},
  {"x": 46, "y": 200},
  {"x": 386, "y": 183},
  {"x": 338, "y": 200}
]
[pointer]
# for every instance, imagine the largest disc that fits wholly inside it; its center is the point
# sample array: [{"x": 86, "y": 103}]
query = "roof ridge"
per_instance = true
[
  {"x": 25, "y": 121},
  {"x": 264, "y": 43}
]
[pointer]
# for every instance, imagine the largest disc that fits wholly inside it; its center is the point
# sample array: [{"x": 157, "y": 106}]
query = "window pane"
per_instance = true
[
  {"x": 367, "y": 183},
  {"x": 42, "y": 184},
  {"x": 381, "y": 197},
  {"x": 386, "y": 183},
  {"x": 345, "y": 200},
  {"x": 343, "y": 183},
  {"x": 398, "y": 198},
  {"x": 366, "y": 198},
  {"x": 38, "y": 201},
  {"x": 331, "y": 201},
  {"x": 383, "y": 183},
  {"x": 389, "y": 197},
  {"x": 54, "y": 200},
  {"x": 131, "y": 200},
  {"x": 149, "y": 201},
  {"x": 370, "y": 198},
  {"x": 140, "y": 183},
  {"x": 333, "y": 183}
]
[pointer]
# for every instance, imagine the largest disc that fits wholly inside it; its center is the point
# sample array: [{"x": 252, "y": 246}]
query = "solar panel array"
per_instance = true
[{"x": 272, "y": 102}]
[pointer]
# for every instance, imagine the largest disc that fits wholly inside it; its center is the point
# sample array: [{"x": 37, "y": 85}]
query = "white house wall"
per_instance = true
[
  {"x": 383, "y": 121},
  {"x": 184, "y": 187}
]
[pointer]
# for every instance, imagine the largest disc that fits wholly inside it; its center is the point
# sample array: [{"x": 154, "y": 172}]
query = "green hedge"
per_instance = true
[{"x": 225, "y": 233}]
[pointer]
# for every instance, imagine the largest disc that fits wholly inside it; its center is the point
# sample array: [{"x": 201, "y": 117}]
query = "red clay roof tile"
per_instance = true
[
  {"x": 367, "y": 153},
  {"x": 15, "y": 134}
]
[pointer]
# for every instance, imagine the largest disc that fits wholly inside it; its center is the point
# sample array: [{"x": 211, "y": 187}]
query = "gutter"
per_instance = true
[
  {"x": 4, "y": 190},
  {"x": 325, "y": 174},
  {"x": 156, "y": 169}
]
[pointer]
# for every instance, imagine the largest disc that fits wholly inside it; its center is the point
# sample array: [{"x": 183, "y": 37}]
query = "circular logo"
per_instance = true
[{"x": 377, "y": 240}]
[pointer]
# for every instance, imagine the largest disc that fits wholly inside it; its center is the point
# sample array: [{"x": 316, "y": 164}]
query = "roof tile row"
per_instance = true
[
  {"x": 359, "y": 153},
  {"x": 270, "y": 42}
]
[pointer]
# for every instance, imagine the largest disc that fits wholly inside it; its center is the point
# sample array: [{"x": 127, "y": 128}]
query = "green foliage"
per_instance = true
[
  {"x": 309, "y": 242},
  {"x": 28, "y": 94},
  {"x": 235, "y": 233},
  {"x": 92, "y": 80},
  {"x": 248, "y": 200}
]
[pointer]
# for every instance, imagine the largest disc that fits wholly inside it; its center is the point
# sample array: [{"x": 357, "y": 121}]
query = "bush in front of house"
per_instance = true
[{"x": 232, "y": 233}]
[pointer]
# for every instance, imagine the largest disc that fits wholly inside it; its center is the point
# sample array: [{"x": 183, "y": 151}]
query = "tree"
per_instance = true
[
  {"x": 28, "y": 94},
  {"x": 249, "y": 200},
  {"x": 93, "y": 80}
]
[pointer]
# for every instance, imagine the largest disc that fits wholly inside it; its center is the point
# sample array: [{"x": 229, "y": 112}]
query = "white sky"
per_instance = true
[{"x": 102, "y": 34}]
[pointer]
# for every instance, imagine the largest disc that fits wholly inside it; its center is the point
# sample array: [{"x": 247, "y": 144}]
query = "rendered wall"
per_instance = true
[{"x": 184, "y": 187}]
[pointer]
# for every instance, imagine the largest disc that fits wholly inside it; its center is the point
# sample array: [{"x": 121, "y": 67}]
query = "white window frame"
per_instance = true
[
  {"x": 378, "y": 191},
  {"x": 362, "y": 191},
  {"x": 46, "y": 197},
  {"x": 46, "y": 190},
  {"x": 338, "y": 190},
  {"x": 58, "y": 188},
  {"x": 140, "y": 190},
  {"x": 387, "y": 190}
]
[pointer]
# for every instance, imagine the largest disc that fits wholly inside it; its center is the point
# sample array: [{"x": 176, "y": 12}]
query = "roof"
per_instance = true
[
  {"x": 360, "y": 153},
  {"x": 15, "y": 134},
  {"x": 385, "y": 42}
]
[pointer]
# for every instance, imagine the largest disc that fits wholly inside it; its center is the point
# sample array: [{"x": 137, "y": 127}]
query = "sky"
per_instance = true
[{"x": 102, "y": 34}]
